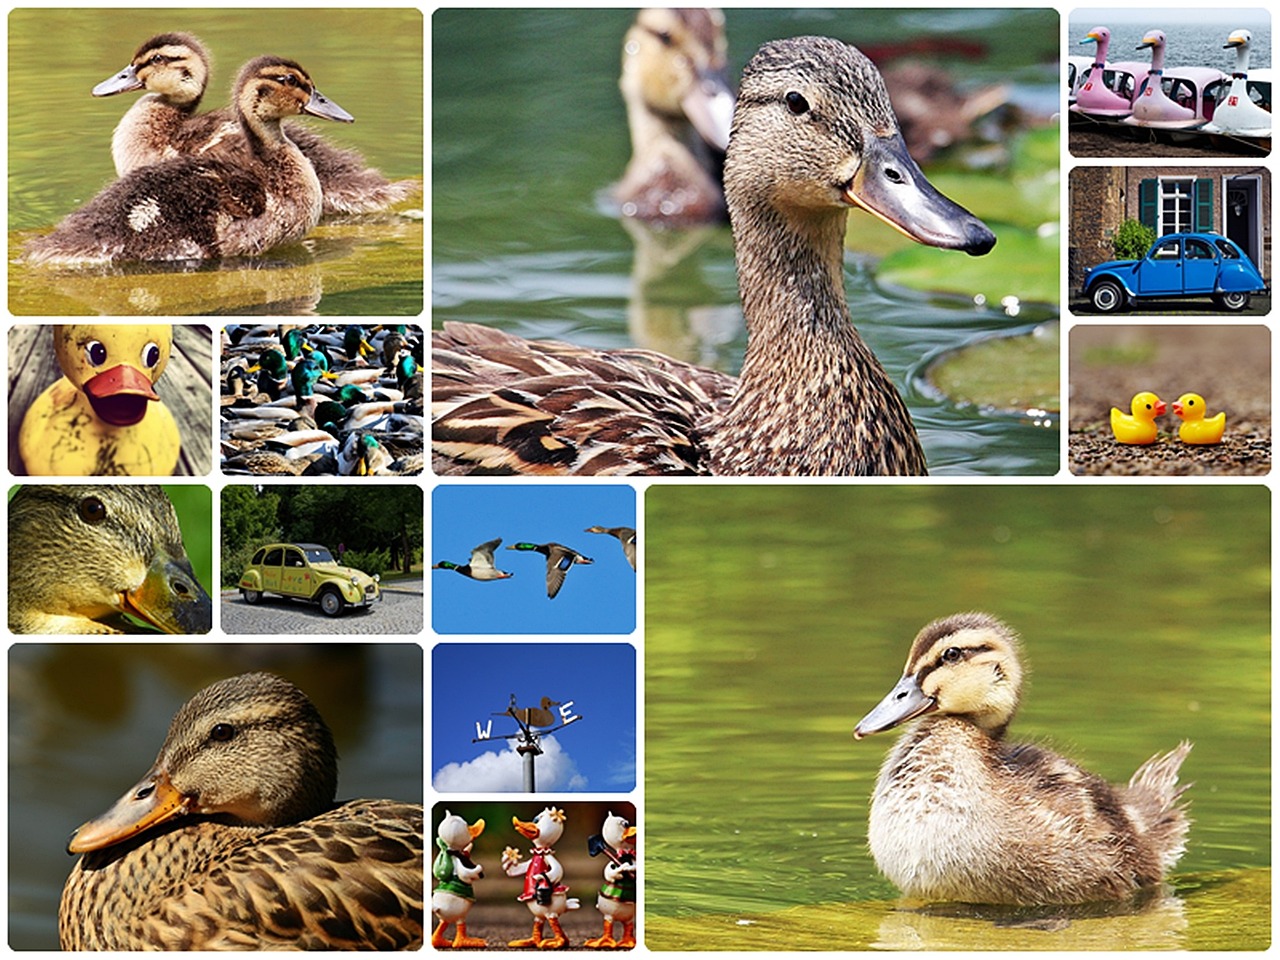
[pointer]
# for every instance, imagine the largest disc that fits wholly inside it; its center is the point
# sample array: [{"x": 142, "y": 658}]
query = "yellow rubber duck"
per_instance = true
[
  {"x": 103, "y": 417},
  {"x": 1140, "y": 427},
  {"x": 1195, "y": 428}
]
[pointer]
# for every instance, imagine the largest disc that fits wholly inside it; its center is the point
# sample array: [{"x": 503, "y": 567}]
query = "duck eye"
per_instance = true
[
  {"x": 222, "y": 732},
  {"x": 951, "y": 654},
  {"x": 663, "y": 36},
  {"x": 95, "y": 353},
  {"x": 796, "y": 103},
  {"x": 151, "y": 354},
  {"x": 92, "y": 510}
]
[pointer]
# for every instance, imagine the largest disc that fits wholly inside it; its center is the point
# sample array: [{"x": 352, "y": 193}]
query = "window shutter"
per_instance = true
[
  {"x": 1204, "y": 204},
  {"x": 1148, "y": 204}
]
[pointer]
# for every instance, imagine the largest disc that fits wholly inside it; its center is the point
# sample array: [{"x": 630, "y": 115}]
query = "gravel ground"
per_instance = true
[
  {"x": 499, "y": 924},
  {"x": 1229, "y": 365},
  {"x": 399, "y": 612}
]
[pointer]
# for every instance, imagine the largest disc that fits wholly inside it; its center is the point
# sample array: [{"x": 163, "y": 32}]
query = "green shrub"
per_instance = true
[
  {"x": 1132, "y": 240},
  {"x": 370, "y": 561}
]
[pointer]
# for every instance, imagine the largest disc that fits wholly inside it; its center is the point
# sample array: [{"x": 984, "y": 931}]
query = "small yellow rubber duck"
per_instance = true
[
  {"x": 1140, "y": 427},
  {"x": 103, "y": 417},
  {"x": 1195, "y": 428}
]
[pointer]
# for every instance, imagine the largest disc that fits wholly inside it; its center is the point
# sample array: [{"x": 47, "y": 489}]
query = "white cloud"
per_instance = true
[{"x": 503, "y": 772}]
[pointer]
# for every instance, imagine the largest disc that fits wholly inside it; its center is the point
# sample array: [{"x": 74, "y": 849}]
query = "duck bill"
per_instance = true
[
  {"x": 889, "y": 185},
  {"x": 476, "y": 829},
  {"x": 321, "y": 106},
  {"x": 709, "y": 107},
  {"x": 904, "y": 702},
  {"x": 527, "y": 830},
  {"x": 170, "y": 599},
  {"x": 151, "y": 801},
  {"x": 1177, "y": 409},
  {"x": 119, "y": 396},
  {"x": 122, "y": 82},
  {"x": 1161, "y": 408}
]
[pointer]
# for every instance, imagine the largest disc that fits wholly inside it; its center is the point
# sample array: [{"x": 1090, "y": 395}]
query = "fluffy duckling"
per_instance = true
[
  {"x": 103, "y": 416},
  {"x": 174, "y": 70},
  {"x": 233, "y": 841},
  {"x": 1195, "y": 426},
  {"x": 1138, "y": 427},
  {"x": 679, "y": 107},
  {"x": 195, "y": 208},
  {"x": 82, "y": 556},
  {"x": 626, "y": 536},
  {"x": 559, "y": 559},
  {"x": 480, "y": 566},
  {"x": 959, "y": 813}
]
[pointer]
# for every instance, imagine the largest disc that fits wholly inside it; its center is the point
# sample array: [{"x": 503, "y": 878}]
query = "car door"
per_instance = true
[
  {"x": 295, "y": 577},
  {"x": 1160, "y": 273},
  {"x": 271, "y": 566},
  {"x": 1199, "y": 266}
]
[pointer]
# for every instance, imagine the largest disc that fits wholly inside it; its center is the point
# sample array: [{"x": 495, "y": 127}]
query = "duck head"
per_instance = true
[
  {"x": 1189, "y": 406},
  {"x": 173, "y": 66},
  {"x": 456, "y": 834},
  {"x": 271, "y": 88},
  {"x": 965, "y": 666},
  {"x": 617, "y": 831},
  {"x": 1147, "y": 406},
  {"x": 252, "y": 749},
  {"x": 115, "y": 366},
  {"x": 544, "y": 830}
]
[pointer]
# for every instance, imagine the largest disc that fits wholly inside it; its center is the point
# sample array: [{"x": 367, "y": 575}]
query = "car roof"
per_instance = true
[{"x": 300, "y": 546}]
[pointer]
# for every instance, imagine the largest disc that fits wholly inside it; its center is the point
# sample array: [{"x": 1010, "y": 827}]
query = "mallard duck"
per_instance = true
[
  {"x": 194, "y": 208},
  {"x": 233, "y": 841},
  {"x": 82, "y": 556},
  {"x": 1195, "y": 426},
  {"x": 678, "y": 110},
  {"x": 559, "y": 559},
  {"x": 626, "y": 536},
  {"x": 174, "y": 70},
  {"x": 1138, "y": 427},
  {"x": 480, "y": 566},
  {"x": 960, "y": 813},
  {"x": 813, "y": 136},
  {"x": 103, "y": 417}
]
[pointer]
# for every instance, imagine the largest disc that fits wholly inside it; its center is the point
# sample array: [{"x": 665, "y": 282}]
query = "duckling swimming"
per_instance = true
[
  {"x": 959, "y": 813},
  {"x": 82, "y": 556}
]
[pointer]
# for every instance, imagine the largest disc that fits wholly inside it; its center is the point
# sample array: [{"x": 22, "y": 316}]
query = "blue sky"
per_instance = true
[
  {"x": 595, "y": 599},
  {"x": 471, "y": 681}
]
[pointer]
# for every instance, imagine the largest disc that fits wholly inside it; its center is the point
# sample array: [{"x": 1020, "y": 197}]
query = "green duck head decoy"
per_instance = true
[
  {"x": 82, "y": 556},
  {"x": 233, "y": 840}
]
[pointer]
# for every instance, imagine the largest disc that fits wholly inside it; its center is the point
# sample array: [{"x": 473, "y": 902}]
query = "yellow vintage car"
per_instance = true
[{"x": 307, "y": 571}]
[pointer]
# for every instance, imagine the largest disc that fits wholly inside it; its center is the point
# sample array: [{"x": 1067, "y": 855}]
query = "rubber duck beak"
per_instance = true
[
  {"x": 150, "y": 801},
  {"x": 529, "y": 831},
  {"x": 1161, "y": 408},
  {"x": 119, "y": 396},
  {"x": 170, "y": 599},
  {"x": 476, "y": 829}
]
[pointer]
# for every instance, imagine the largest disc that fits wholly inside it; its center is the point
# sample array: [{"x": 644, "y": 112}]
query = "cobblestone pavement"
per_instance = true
[{"x": 399, "y": 612}]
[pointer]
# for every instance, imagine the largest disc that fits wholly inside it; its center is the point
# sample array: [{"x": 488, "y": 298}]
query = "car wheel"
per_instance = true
[
  {"x": 251, "y": 596},
  {"x": 331, "y": 602},
  {"x": 1107, "y": 296},
  {"x": 1233, "y": 301}
]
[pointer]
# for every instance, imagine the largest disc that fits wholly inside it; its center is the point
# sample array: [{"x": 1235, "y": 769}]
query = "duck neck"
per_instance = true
[{"x": 812, "y": 397}]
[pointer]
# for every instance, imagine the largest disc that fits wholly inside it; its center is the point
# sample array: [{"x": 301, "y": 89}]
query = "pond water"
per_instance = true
[
  {"x": 776, "y": 617},
  {"x": 369, "y": 61},
  {"x": 529, "y": 133}
]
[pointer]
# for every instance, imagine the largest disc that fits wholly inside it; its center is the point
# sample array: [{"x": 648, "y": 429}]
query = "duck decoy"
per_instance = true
[
  {"x": 174, "y": 70},
  {"x": 813, "y": 136},
  {"x": 1195, "y": 426},
  {"x": 559, "y": 559},
  {"x": 960, "y": 813},
  {"x": 233, "y": 841},
  {"x": 195, "y": 208},
  {"x": 675, "y": 86},
  {"x": 626, "y": 536},
  {"x": 80, "y": 557},
  {"x": 103, "y": 417},
  {"x": 480, "y": 566},
  {"x": 1138, "y": 426}
]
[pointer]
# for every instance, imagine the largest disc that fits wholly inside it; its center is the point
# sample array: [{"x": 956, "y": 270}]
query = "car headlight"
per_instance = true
[{"x": 377, "y": 578}]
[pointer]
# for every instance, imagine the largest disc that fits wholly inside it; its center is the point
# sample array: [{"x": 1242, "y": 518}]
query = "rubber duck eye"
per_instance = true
[
  {"x": 951, "y": 654},
  {"x": 222, "y": 732},
  {"x": 796, "y": 103},
  {"x": 151, "y": 354},
  {"x": 95, "y": 353},
  {"x": 92, "y": 510}
]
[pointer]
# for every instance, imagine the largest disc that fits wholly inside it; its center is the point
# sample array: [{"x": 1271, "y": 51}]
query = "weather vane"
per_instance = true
[{"x": 534, "y": 722}]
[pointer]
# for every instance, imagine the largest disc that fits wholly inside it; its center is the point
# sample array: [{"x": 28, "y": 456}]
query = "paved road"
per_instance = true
[{"x": 399, "y": 612}]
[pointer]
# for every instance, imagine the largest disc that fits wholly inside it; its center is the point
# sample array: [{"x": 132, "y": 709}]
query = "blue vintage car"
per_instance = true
[{"x": 1177, "y": 265}]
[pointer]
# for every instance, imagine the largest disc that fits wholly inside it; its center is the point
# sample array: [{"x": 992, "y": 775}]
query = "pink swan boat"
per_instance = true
[
  {"x": 1094, "y": 93},
  {"x": 1237, "y": 114}
]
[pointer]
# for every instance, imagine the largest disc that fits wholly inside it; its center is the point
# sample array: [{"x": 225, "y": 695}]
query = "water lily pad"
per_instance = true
[{"x": 1003, "y": 373}]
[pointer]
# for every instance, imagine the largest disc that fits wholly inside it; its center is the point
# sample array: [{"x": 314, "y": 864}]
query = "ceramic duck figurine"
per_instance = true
[
  {"x": 173, "y": 69},
  {"x": 480, "y": 566},
  {"x": 196, "y": 208},
  {"x": 233, "y": 841},
  {"x": 960, "y": 813},
  {"x": 1138, "y": 427},
  {"x": 82, "y": 556},
  {"x": 813, "y": 136},
  {"x": 559, "y": 559},
  {"x": 103, "y": 417},
  {"x": 626, "y": 536},
  {"x": 1195, "y": 426},
  {"x": 544, "y": 894},
  {"x": 617, "y": 898},
  {"x": 455, "y": 872}
]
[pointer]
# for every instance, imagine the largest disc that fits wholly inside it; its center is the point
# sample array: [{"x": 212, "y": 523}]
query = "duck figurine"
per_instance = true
[
  {"x": 198, "y": 208},
  {"x": 813, "y": 137},
  {"x": 103, "y": 417},
  {"x": 1138, "y": 426},
  {"x": 546, "y": 897},
  {"x": 233, "y": 841},
  {"x": 480, "y": 566},
  {"x": 960, "y": 813},
  {"x": 455, "y": 872},
  {"x": 617, "y": 898},
  {"x": 173, "y": 69},
  {"x": 1195, "y": 426},
  {"x": 81, "y": 557},
  {"x": 626, "y": 536},
  {"x": 559, "y": 559}
]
